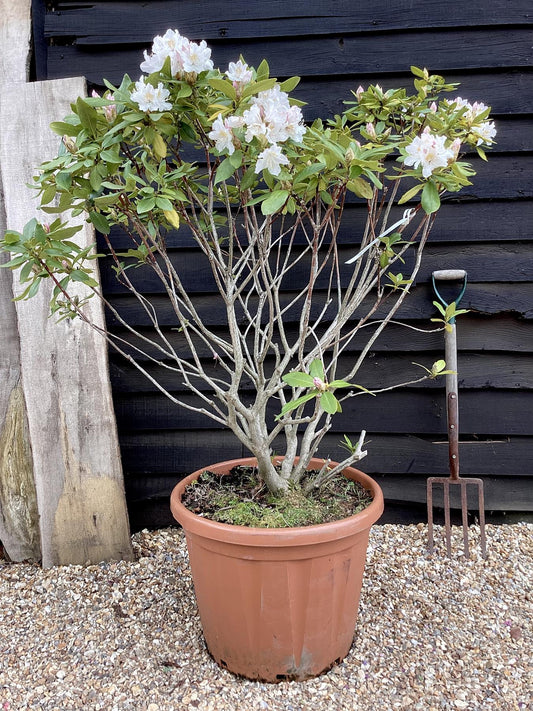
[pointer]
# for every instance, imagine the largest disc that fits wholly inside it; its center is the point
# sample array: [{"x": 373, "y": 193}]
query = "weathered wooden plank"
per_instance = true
[
  {"x": 153, "y": 462},
  {"x": 492, "y": 335},
  {"x": 119, "y": 22},
  {"x": 64, "y": 367},
  {"x": 423, "y": 411},
  {"x": 510, "y": 494},
  {"x": 328, "y": 56},
  {"x": 19, "y": 527},
  {"x": 476, "y": 371},
  {"x": 483, "y": 263},
  {"x": 487, "y": 221},
  {"x": 494, "y": 298}
]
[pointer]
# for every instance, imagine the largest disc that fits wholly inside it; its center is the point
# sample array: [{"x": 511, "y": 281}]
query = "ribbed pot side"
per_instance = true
[{"x": 278, "y": 603}]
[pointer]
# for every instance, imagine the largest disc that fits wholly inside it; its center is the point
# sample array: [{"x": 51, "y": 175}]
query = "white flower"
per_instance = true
[
  {"x": 150, "y": 98},
  {"x": 185, "y": 56},
  {"x": 429, "y": 151},
  {"x": 472, "y": 110},
  {"x": 239, "y": 73},
  {"x": 271, "y": 116},
  {"x": 271, "y": 159},
  {"x": 485, "y": 132},
  {"x": 294, "y": 126},
  {"x": 152, "y": 62},
  {"x": 222, "y": 135},
  {"x": 169, "y": 45},
  {"x": 196, "y": 57},
  {"x": 255, "y": 125}
]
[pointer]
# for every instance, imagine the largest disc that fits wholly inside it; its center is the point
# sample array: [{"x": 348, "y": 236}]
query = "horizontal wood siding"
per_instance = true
[{"x": 487, "y": 230}]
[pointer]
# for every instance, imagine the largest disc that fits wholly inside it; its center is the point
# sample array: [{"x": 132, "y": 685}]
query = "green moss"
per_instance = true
[{"x": 240, "y": 499}]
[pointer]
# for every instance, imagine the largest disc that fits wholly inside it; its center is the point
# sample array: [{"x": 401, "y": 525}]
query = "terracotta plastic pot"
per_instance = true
[{"x": 279, "y": 603}]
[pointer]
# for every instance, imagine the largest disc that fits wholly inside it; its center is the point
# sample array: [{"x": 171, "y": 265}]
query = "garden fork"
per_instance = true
[{"x": 452, "y": 408}]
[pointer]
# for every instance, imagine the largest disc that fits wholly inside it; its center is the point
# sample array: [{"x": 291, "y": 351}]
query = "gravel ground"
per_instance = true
[{"x": 433, "y": 633}]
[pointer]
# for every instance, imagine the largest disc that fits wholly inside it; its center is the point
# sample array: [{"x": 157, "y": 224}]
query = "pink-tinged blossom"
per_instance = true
[
  {"x": 359, "y": 92},
  {"x": 472, "y": 110},
  {"x": 271, "y": 159},
  {"x": 428, "y": 151},
  {"x": 150, "y": 98},
  {"x": 456, "y": 147},
  {"x": 239, "y": 73},
  {"x": 222, "y": 136},
  {"x": 485, "y": 133}
]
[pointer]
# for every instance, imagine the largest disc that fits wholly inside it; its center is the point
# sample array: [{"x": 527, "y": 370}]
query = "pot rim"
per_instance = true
[{"x": 253, "y": 536}]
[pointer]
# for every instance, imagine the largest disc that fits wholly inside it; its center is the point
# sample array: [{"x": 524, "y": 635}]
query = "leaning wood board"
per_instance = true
[
  {"x": 76, "y": 458},
  {"x": 19, "y": 527}
]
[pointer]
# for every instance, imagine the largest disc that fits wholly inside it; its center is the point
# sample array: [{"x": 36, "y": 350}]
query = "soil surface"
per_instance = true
[{"x": 240, "y": 498}]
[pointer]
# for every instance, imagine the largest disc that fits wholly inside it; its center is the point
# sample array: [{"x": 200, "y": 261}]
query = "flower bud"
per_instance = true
[
  {"x": 370, "y": 129},
  {"x": 69, "y": 144},
  {"x": 349, "y": 155},
  {"x": 319, "y": 384},
  {"x": 359, "y": 93}
]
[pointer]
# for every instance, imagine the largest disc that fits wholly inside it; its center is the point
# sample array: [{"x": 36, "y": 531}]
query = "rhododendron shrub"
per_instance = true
[{"x": 226, "y": 158}]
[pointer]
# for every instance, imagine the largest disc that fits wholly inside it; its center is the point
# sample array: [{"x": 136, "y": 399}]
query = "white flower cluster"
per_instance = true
[
  {"x": 150, "y": 98},
  {"x": 486, "y": 131},
  {"x": 270, "y": 118},
  {"x": 186, "y": 57},
  {"x": 428, "y": 150}
]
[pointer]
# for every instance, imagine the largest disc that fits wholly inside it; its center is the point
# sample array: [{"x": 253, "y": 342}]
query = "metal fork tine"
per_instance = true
[
  {"x": 464, "y": 513},
  {"x": 447, "y": 525}
]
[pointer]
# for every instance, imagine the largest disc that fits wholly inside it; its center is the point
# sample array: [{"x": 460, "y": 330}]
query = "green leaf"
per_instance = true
[
  {"x": 225, "y": 87},
  {"x": 145, "y": 205},
  {"x": 361, "y": 188},
  {"x": 340, "y": 384},
  {"x": 289, "y": 84},
  {"x": 329, "y": 403},
  {"x": 307, "y": 171},
  {"x": 430, "y": 198},
  {"x": 293, "y": 404},
  {"x": 274, "y": 202},
  {"x": 95, "y": 180},
  {"x": 257, "y": 87},
  {"x": 88, "y": 117},
  {"x": 236, "y": 159},
  {"x": 298, "y": 380},
  {"x": 224, "y": 171},
  {"x": 63, "y": 180},
  {"x": 48, "y": 195},
  {"x": 109, "y": 155},
  {"x": 64, "y": 129},
  {"x": 100, "y": 222},
  {"x": 164, "y": 204},
  {"x": 409, "y": 194},
  {"x": 316, "y": 369},
  {"x": 83, "y": 277},
  {"x": 160, "y": 147},
  {"x": 263, "y": 70}
]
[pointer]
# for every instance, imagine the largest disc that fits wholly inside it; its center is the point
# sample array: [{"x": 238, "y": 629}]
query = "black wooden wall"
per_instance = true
[{"x": 335, "y": 46}]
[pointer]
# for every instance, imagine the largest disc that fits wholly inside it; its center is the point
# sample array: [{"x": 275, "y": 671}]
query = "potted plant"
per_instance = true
[{"x": 224, "y": 160}]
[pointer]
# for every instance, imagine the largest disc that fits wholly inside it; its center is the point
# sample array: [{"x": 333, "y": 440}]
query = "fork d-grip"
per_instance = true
[{"x": 452, "y": 409}]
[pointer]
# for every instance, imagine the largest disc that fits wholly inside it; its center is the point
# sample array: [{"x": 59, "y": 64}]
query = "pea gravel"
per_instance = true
[{"x": 433, "y": 633}]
